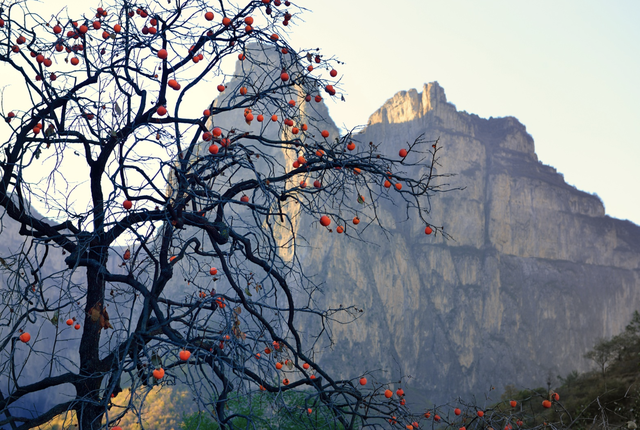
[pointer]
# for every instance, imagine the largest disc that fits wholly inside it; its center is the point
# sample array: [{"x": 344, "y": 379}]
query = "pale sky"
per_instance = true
[{"x": 568, "y": 70}]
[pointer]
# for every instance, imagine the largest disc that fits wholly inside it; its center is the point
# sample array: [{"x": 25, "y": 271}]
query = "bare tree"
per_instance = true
[{"x": 169, "y": 196}]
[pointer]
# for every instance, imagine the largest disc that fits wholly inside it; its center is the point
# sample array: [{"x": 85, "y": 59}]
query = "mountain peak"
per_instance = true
[{"x": 406, "y": 106}]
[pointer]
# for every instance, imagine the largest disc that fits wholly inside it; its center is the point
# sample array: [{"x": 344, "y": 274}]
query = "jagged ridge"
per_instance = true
[{"x": 536, "y": 273}]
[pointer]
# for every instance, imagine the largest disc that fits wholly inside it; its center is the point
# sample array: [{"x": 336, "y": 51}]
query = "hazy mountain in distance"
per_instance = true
[{"x": 534, "y": 275}]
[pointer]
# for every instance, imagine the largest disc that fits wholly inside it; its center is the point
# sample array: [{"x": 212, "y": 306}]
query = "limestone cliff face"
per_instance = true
[
  {"x": 536, "y": 271},
  {"x": 535, "y": 274}
]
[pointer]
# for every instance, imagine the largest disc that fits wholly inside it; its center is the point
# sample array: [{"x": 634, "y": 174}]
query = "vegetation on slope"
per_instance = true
[{"x": 607, "y": 397}]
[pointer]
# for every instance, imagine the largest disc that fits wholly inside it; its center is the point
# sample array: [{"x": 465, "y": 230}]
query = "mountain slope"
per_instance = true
[{"x": 535, "y": 274}]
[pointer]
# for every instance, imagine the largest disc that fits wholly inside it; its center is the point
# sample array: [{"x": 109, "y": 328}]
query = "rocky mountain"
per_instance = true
[{"x": 535, "y": 273}]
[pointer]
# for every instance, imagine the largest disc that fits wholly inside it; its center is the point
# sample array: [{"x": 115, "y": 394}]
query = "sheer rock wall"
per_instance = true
[{"x": 536, "y": 272}]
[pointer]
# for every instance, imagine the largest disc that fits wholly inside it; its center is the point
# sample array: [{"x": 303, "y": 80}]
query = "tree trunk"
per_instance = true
[{"x": 89, "y": 408}]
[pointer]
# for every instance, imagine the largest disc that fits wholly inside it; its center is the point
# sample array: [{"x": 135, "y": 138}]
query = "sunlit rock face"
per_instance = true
[{"x": 534, "y": 274}]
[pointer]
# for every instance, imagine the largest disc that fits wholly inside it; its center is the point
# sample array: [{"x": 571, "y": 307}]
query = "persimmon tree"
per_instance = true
[{"x": 211, "y": 201}]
